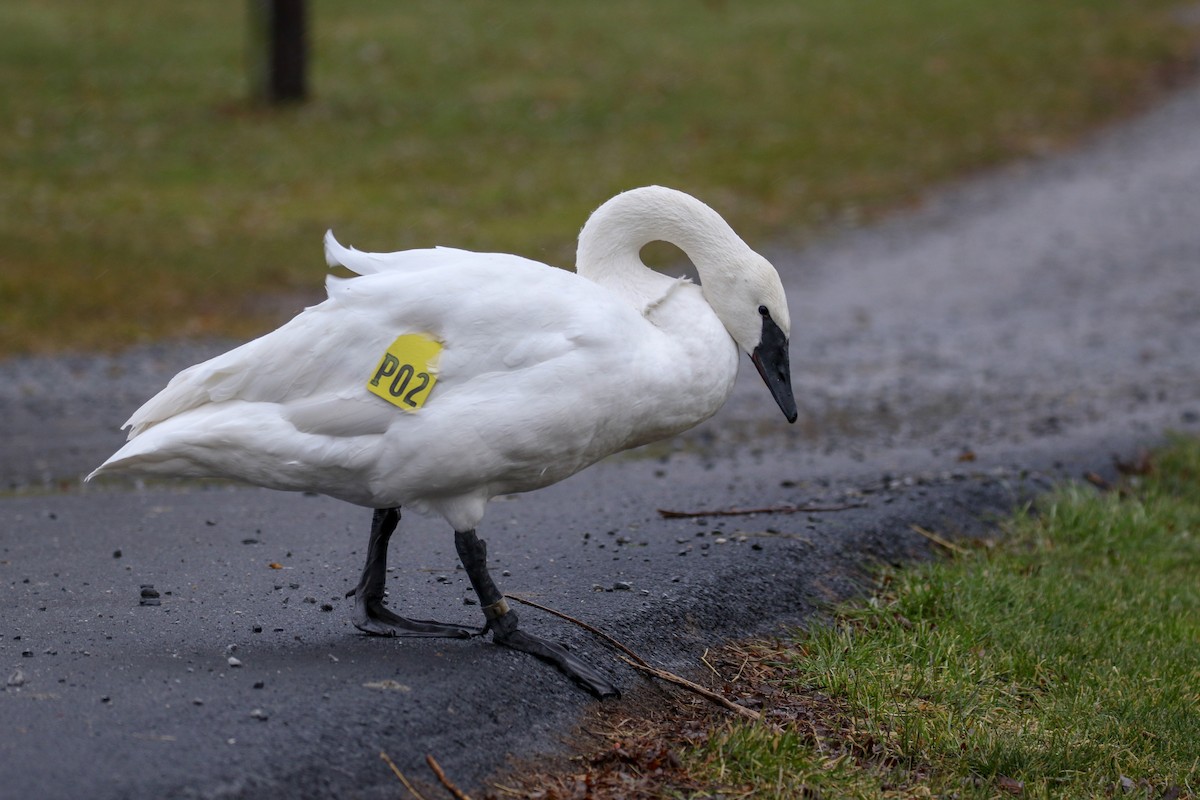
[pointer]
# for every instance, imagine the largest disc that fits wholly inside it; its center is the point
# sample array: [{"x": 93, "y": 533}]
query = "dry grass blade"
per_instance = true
[
  {"x": 458, "y": 793},
  {"x": 412, "y": 789},
  {"x": 704, "y": 661},
  {"x": 933, "y": 537}
]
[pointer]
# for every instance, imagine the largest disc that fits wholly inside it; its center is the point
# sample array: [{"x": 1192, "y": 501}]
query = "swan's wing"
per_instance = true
[
  {"x": 301, "y": 358},
  {"x": 493, "y": 313}
]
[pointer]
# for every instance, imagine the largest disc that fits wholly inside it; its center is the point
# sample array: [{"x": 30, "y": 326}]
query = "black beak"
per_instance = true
[{"x": 771, "y": 359}]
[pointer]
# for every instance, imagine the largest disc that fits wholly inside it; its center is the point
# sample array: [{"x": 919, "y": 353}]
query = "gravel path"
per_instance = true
[{"x": 949, "y": 363}]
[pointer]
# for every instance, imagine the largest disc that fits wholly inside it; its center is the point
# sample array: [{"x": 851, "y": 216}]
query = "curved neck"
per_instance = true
[{"x": 610, "y": 243}]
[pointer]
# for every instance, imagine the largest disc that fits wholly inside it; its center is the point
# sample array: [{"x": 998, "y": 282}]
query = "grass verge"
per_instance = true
[
  {"x": 1062, "y": 660},
  {"x": 141, "y": 196}
]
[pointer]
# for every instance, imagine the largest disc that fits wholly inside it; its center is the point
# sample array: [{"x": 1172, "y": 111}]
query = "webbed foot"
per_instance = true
[
  {"x": 373, "y": 617},
  {"x": 577, "y": 670}
]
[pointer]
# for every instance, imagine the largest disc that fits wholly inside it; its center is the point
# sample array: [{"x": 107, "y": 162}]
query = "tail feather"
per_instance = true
[
  {"x": 338, "y": 255},
  {"x": 121, "y": 461},
  {"x": 362, "y": 263}
]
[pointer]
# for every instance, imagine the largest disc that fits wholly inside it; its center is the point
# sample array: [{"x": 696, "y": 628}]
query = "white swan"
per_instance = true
[{"x": 535, "y": 373}]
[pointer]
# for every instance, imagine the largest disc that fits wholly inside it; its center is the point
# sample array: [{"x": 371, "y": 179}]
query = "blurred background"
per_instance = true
[{"x": 147, "y": 192}]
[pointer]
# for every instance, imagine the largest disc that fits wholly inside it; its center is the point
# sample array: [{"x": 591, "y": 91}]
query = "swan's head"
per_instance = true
[
  {"x": 748, "y": 297},
  {"x": 740, "y": 285}
]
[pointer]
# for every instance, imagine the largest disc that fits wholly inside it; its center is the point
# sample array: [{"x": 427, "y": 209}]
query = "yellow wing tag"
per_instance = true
[{"x": 407, "y": 372}]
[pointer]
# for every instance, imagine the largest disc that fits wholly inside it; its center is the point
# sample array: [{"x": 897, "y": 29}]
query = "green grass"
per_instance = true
[
  {"x": 141, "y": 196},
  {"x": 1064, "y": 661}
]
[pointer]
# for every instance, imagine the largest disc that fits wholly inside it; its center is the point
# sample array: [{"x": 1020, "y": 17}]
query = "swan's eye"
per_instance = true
[{"x": 763, "y": 310}]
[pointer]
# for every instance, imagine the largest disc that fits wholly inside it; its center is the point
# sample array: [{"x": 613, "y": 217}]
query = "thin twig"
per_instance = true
[
  {"x": 637, "y": 662},
  {"x": 795, "y": 537},
  {"x": 737, "y": 512},
  {"x": 412, "y": 789},
  {"x": 933, "y": 537},
  {"x": 671, "y": 677},
  {"x": 582, "y": 624},
  {"x": 458, "y": 793}
]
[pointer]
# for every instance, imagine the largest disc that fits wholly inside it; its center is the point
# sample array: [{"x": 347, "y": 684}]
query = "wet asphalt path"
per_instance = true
[{"x": 1040, "y": 320}]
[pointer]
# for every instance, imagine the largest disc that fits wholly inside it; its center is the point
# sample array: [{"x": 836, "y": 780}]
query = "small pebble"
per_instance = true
[
  {"x": 116, "y": 553},
  {"x": 470, "y": 601},
  {"x": 234, "y": 661},
  {"x": 196, "y": 701},
  {"x": 259, "y": 684},
  {"x": 327, "y": 607},
  {"x": 622, "y": 586},
  {"x": 259, "y": 714},
  {"x": 16, "y": 679}
]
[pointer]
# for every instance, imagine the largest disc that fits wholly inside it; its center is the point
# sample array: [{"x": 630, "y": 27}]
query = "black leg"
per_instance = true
[
  {"x": 370, "y": 614},
  {"x": 502, "y": 620}
]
